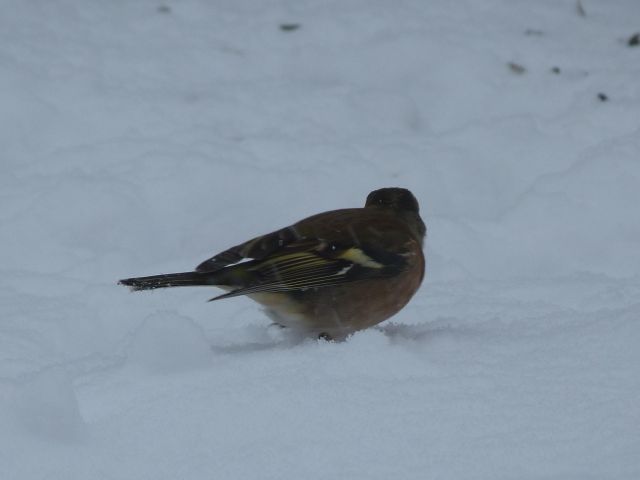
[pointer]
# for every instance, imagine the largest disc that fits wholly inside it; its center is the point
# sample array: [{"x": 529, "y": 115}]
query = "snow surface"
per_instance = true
[{"x": 142, "y": 137}]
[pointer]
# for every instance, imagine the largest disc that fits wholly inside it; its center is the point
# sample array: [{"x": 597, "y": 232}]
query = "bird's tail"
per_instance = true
[{"x": 185, "y": 279}]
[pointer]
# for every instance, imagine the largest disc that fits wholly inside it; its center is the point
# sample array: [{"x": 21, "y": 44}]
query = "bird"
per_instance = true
[{"x": 326, "y": 276}]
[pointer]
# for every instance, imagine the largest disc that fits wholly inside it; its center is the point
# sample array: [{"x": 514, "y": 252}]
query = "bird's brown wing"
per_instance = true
[
  {"x": 256, "y": 248},
  {"x": 302, "y": 268},
  {"x": 299, "y": 234}
]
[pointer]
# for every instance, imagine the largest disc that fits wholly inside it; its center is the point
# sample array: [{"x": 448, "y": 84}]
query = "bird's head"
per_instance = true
[{"x": 401, "y": 201}]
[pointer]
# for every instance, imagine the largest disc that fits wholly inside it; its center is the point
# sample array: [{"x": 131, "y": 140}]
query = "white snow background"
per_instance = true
[{"x": 142, "y": 137}]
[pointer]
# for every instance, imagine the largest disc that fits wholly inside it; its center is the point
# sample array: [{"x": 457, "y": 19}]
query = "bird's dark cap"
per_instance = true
[{"x": 399, "y": 199}]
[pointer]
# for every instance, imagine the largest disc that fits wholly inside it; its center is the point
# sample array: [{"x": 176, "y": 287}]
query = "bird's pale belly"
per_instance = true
[{"x": 326, "y": 311}]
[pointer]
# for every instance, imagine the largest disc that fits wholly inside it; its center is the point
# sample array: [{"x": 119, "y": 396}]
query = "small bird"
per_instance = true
[{"x": 327, "y": 275}]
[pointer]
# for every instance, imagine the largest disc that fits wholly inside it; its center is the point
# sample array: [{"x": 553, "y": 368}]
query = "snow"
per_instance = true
[{"x": 143, "y": 137}]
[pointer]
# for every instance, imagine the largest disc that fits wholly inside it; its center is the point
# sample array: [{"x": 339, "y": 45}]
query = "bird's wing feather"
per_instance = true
[
  {"x": 302, "y": 268},
  {"x": 256, "y": 248},
  {"x": 297, "y": 236}
]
